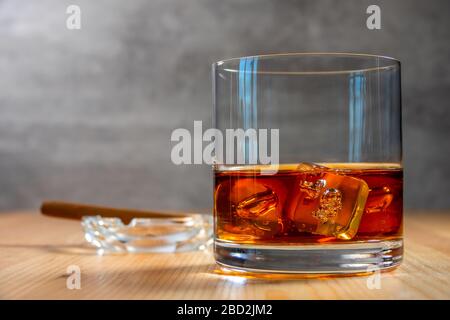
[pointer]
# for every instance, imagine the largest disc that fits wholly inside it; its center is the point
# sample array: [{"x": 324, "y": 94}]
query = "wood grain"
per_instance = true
[{"x": 35, "y": 252}]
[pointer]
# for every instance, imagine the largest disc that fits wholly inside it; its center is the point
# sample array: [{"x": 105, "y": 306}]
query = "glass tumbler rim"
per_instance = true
[{"x": 382, "y": 63}]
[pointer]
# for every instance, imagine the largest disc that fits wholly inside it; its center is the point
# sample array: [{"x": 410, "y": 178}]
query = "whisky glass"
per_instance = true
[{"x": 308, "y": 177}]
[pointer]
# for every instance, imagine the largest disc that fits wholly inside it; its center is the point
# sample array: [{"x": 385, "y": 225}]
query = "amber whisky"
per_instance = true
[{"x": 308, "y": 203}]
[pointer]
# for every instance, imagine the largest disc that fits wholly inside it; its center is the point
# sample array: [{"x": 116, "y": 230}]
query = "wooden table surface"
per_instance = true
[{"x": 35, "y": 252}]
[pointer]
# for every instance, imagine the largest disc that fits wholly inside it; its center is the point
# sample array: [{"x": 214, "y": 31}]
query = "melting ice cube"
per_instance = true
[
  {"x": 327, "y": 203},
  {"x": 258, "y": 205},
  {"x": 330, "y": 205},
  {"x": 379, "y": 199}
]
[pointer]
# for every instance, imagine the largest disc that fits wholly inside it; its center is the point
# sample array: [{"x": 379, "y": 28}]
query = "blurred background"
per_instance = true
[{"x": 86, "y": 115}]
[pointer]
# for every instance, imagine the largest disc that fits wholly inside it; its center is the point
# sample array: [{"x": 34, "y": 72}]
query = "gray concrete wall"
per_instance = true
[{"x": 87, "y": 115}]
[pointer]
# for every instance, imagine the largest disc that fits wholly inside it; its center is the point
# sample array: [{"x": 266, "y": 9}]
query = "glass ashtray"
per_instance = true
[{"x": 172, "y": 234}]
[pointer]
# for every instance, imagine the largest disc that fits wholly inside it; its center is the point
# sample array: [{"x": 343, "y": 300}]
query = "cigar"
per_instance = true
[{"x": 76, "y": 211}]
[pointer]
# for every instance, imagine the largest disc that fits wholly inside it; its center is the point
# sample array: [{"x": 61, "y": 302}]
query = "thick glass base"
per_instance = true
[{"x": 349, "y": 258}]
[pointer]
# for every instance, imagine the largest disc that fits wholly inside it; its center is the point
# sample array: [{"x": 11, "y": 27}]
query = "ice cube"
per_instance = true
[
  {"x": 258, "y": 204},
  {"x": 327, "y": 203},
  {"x": 379, "y": 199},
  {"x": 330, "y": 205},
  {"x": 312, "y": 189}
]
